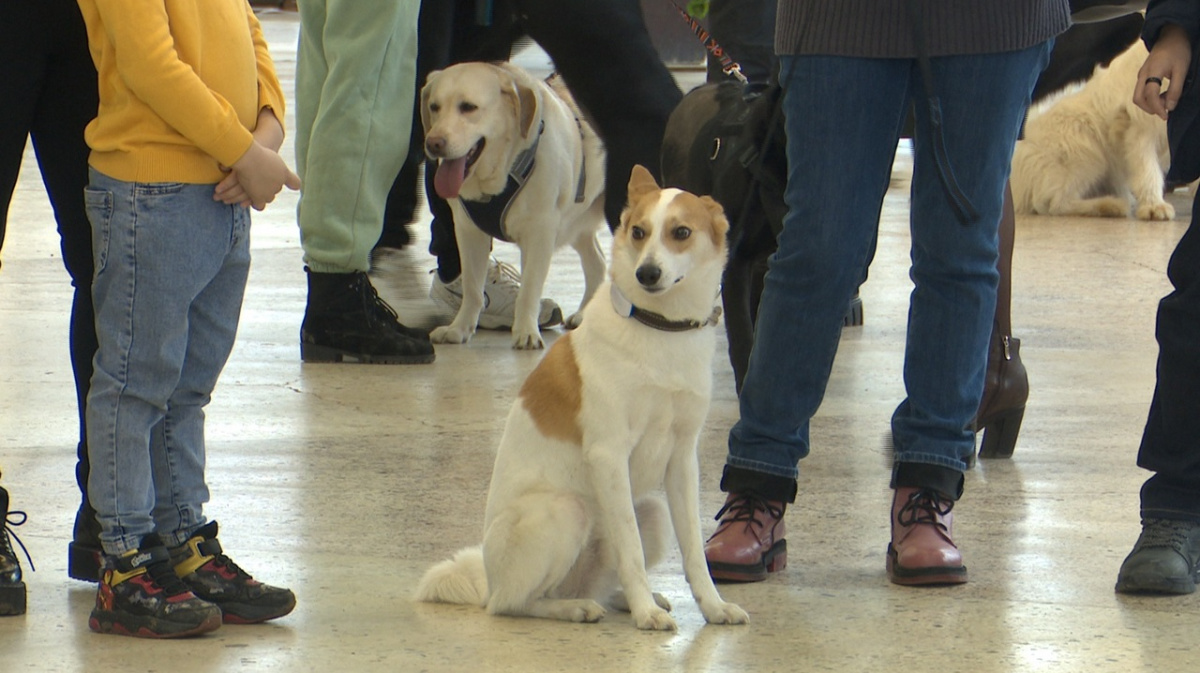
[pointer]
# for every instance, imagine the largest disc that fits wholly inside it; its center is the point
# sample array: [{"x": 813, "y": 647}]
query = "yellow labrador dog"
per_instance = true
[
  {"x": 611, "y": 414},
  {"x": 517, "y": 162}
]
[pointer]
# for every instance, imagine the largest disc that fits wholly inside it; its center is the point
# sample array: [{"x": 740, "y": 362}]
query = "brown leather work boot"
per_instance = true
[
  {"x": 748, "y": 542},
  {"x": 922, "y": 550}
]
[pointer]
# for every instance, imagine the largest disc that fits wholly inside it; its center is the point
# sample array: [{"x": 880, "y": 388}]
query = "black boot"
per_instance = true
[
  {"x": 346, "y": 321},
  {"x": 12, "y": 586},
  {"x": 84, "y": 551}
]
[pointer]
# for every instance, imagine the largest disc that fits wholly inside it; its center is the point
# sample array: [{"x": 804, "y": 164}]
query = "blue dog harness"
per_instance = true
[{"x": 491, "y": 212}]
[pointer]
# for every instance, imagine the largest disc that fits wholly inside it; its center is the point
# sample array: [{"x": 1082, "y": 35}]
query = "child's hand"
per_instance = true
[{"x": 259, "y": 175}]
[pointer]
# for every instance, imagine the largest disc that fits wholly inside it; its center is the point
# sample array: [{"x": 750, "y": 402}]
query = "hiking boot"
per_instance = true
[
  {"x": 922, "y": 550},
  {"x": 748, "y": 543},
  {"x": 141, "y": 596},
  {"x": 12, "y": 583},
  {"x": 499, "y": 297},
  {"x": 346, "y": 321},
  {"x": 1165, "y": 559},
  {"x": 213, "y": 576}
]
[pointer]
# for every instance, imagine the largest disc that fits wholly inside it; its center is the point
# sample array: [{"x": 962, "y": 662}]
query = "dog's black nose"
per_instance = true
[
  {"x": 435, "y": 146},
  {"x": 648, "y": 274}
]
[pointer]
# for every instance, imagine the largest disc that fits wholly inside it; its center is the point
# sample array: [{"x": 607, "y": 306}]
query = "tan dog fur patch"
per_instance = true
[{"x": 551, "y": 393}]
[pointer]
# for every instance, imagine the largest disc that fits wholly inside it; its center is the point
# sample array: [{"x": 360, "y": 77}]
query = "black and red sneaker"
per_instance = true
[
  {"x": 141, "y": 596},
  {"x": 213, "y": 576}
]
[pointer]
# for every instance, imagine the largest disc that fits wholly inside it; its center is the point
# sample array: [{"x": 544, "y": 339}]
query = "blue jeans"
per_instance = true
[
  {"x": 843, "y": 119},
  {"x": 171, "y": 267}
]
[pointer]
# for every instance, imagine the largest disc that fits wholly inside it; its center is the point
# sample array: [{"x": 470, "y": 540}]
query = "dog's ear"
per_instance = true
[
  {"x": 426, "y": 117},
  {"x": 523, "y": 99},
  {"x": 641, "y": 182},
  {"x": 720, "y": 223}
]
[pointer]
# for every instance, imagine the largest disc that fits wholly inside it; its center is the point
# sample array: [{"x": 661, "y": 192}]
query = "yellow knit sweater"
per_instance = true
[{"x": 181, "y": 86}]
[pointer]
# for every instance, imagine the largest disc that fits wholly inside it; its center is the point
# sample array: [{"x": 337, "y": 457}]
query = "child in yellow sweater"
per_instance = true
[{"x": 186, "y": 138}]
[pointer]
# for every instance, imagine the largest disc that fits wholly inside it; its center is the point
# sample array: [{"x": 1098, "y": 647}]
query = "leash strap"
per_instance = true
[{"x": 728, "y": 65}]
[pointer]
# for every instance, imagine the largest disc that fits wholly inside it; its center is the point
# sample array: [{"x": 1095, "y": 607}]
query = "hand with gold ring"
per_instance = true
[{"x": 1168, "y": 60}]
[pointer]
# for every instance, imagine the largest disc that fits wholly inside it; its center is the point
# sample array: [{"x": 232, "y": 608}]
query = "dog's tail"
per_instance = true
[{"x": 461, "y": 580}]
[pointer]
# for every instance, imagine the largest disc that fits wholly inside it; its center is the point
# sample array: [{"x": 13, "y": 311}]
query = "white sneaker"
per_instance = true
[{"x": 499, "y": 297}]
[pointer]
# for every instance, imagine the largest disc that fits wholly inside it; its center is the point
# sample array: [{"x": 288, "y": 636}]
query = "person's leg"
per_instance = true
[
  {"x": 66, "y": 104},
  {"x": 1166, "y": 558},
  {"x": 952, "y": 306},
  {"x": 349, "y": 148},
  {"x": 628, "y": 94},
  {"x": 746, "y": 31},
  {"x": 823, "y": 248},
  {"x": 157, "y": 247}
]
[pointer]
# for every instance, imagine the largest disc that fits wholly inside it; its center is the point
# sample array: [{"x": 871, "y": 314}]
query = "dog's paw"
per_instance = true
[
  {"x": 654, "y": 619},
  {"x": 621, "y": 603},
  {"x": 724, "y": 613},
  {"x": 575, "y": 320},
  {"x": 527, "y": 341},
  {"x": 1162, "y": 211},
  {"x": 450, "y": 335},
  {"x": 580, "y": 611}
]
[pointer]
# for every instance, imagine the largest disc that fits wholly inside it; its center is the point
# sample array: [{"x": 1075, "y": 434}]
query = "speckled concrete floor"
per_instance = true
[{"x": 345, "y": 482}]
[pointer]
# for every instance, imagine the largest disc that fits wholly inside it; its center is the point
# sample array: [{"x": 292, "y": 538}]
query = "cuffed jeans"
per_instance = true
[
  {"x": 843, "y": 119},
  {"x": 171, "y": 268}
]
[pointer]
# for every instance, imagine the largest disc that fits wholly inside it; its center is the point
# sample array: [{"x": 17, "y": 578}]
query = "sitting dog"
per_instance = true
[
  {"x": 1094, "y": 153},
  {"x": 613, "y": 412},
  {"x": 517, "y": 162}
]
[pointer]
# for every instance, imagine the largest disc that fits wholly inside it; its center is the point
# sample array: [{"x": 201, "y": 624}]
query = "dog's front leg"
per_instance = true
[
  {"x": 683, "y": 499},
  {"x": 536, "y": 252},
  {"x": 474, "y": 246},
  {"x": 592, "y": 260},
  {"x": 608, "y": 471}
]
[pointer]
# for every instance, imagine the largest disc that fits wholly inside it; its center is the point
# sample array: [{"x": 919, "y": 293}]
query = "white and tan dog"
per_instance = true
[
  {"x": 516, "y": 161},
  {"x": 1093, "y": 152},
  {"x": 612, "y": 413}
]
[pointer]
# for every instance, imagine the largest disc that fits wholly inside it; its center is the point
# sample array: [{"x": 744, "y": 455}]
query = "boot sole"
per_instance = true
[
  {"x": 315, "y": 353},
  {"x": 12, "y": 599},
  {"x": 1155, "y": 585},
  {"x": 142, "y": 627},
  {"x": 83, "y": 562},
  {"x": 774, "y": 560},
  {"x": 938, "y": 576},
  {"x": 249, "y": 614}
]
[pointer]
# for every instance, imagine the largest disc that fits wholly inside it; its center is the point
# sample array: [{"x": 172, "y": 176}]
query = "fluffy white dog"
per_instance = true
[{"x": 1094, "y": 153}]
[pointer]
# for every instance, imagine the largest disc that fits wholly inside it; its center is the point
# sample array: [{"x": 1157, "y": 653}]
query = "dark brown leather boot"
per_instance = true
[
  {"x": 748, "y": 542},
  {"x": 1006, "y": 386}
]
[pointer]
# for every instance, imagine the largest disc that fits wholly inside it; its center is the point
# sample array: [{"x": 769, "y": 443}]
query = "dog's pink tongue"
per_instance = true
[{"x": 449, "y": 177}]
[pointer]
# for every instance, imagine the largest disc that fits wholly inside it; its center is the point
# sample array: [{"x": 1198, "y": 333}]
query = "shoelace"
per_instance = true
[
  {"x": 374, "y": 305},
  {"x": 744, "y": 507},
  {"x": 500, "y": 272},
  {"x": 9, "y": 521},
  {"x": 163, "y": 574},
  {"x": 924, "y": 506},
  {"x": 221, "y": 560},
  {"x": 1166, "y": 533}
]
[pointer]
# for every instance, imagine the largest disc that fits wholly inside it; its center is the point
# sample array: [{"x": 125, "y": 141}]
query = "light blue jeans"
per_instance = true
[
  {"x": 171, "y": 268},
  {"x": 844, "y": 117}
]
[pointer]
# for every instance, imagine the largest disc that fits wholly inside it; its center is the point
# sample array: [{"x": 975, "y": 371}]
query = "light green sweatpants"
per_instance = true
[{"x": 355, "y": 72}]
